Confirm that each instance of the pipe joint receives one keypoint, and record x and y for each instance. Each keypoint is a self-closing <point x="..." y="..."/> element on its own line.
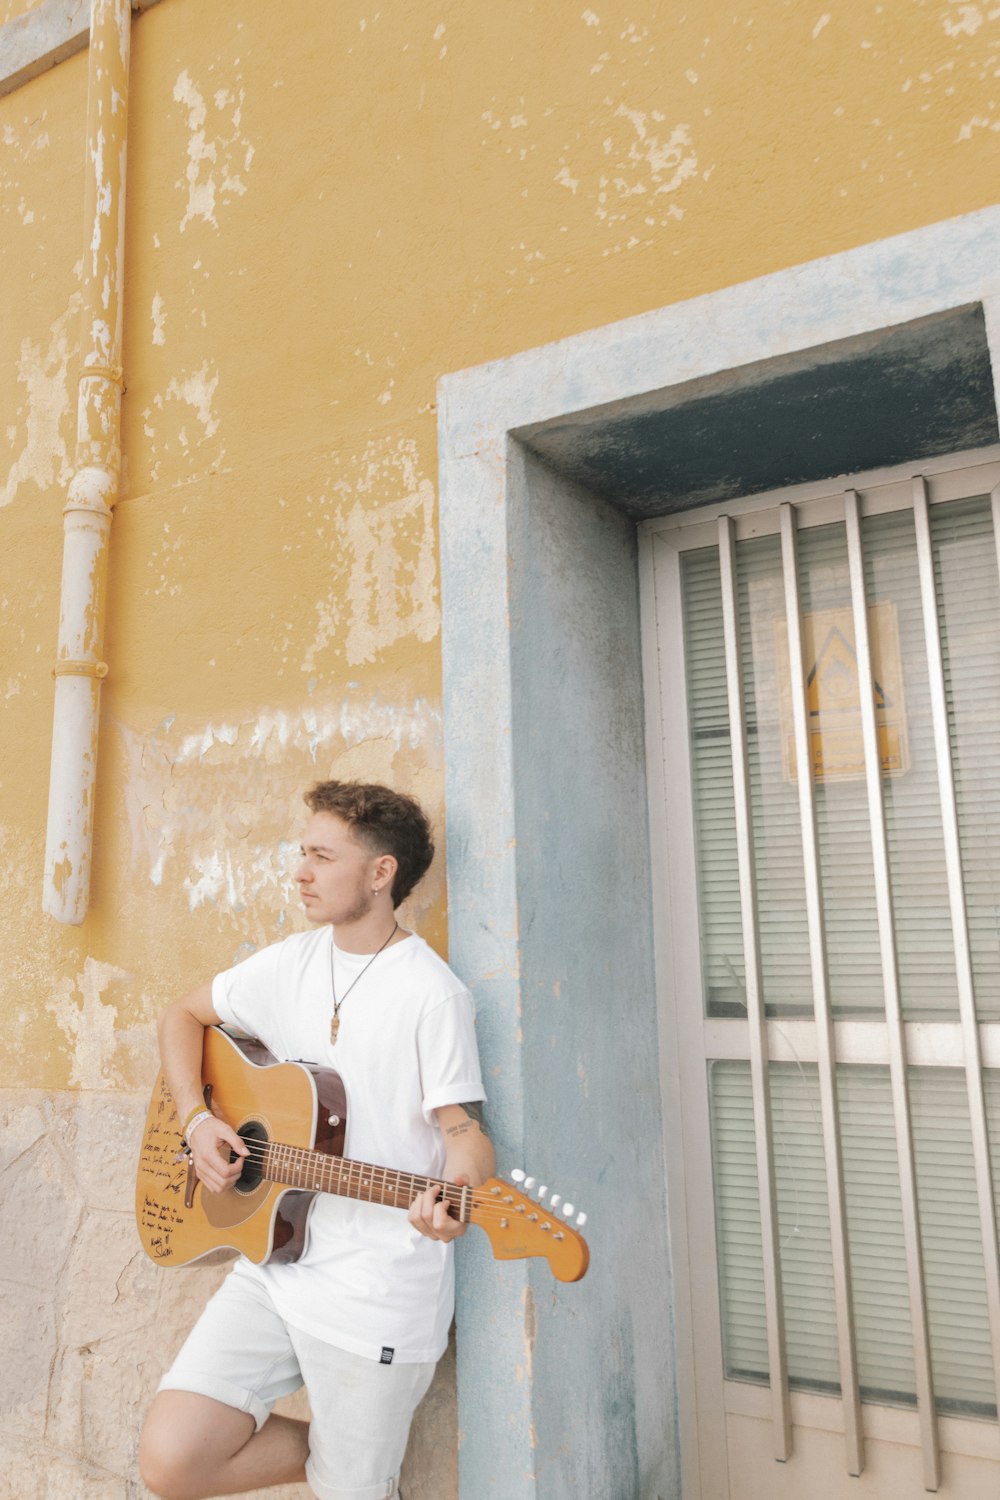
<point x="93" y="488"/>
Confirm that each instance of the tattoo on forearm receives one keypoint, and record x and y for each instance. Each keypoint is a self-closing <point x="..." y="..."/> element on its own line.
<point x="474" y="1111"/>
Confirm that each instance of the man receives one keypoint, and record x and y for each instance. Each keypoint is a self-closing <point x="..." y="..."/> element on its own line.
<point x="363" y="1316"/>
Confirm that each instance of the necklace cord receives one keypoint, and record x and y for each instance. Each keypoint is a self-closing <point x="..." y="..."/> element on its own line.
<point x="335" y="1020"/>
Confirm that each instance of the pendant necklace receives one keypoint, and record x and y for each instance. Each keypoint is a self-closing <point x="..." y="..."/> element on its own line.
<point x="335" y="1019"/>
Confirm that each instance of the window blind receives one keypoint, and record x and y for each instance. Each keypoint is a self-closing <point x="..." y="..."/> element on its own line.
<point x="956" y="1297"/>
<point x="965" y="568"/>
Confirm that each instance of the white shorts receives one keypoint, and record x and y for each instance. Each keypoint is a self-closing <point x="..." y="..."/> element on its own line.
<point x="242" y="1353"/>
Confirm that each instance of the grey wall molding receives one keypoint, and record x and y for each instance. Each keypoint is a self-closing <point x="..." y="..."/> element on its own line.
<point x="47" y="35"/>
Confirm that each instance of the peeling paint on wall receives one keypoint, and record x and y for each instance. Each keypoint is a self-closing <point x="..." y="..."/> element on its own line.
<point x="31" y="137"/>
<point x="669" y="158"/>
<point x="634" y="186"/>
<point x="965" y="19"/>
<point x="530" y="1334"/>
<point x="217" y="162"/>
<point x="88" y="1018"/>
<point x="159" y="318"/>
<point x="196" y="391"/>
<point x="43" y="419"/>
<point x="197" y="809"/>
<point x="383" y="582"/>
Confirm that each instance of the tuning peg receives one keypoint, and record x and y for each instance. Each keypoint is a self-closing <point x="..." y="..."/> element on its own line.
<point x="542" y="1191"/>
<point x="568" y="1210"/>
<point x="581" y="1219"/>
<point x="529" y="1183"/>
<point x="555" y="1200"/>
<point x="517" y="1175"/>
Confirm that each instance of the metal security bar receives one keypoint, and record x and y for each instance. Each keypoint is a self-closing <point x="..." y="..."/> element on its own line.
<point x="959" y="919"/>
<point x="826" y="1062"/>
<point x="763" y="1134"/>
<point x="893" y="1009"/>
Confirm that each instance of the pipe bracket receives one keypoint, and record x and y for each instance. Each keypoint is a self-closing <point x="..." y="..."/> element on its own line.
<point x="70" y="668"/>
<point x="114" y="373"/>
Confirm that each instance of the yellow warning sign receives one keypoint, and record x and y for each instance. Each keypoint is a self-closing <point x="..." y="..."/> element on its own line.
<point x="833" y="694"/>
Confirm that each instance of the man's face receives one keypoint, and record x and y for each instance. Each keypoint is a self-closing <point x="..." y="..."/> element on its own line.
<point x="337" y="871"/>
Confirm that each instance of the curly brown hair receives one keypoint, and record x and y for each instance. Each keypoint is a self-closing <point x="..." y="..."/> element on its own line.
<point x="387" y="822"/>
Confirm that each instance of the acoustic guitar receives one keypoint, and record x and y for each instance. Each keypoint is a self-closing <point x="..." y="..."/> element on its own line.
<point x="292" y="1117"/>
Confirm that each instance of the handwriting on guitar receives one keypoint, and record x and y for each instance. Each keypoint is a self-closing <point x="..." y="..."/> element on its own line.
<point x="161" y="1209"/>
<point x="158" y="1220"/>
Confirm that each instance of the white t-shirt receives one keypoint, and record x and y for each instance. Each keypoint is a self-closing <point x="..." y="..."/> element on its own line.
<point x="367" y="1282"/>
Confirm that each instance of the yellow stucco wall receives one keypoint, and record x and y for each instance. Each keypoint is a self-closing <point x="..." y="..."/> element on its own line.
<point x="328" y="207"/>
<point x="322" y="219"/>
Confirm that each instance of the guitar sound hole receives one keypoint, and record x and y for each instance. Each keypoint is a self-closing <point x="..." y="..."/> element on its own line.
<point x="253" y="1135"/>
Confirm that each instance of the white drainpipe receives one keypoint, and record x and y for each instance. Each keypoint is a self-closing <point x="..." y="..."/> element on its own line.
<point x="93" y="489"/>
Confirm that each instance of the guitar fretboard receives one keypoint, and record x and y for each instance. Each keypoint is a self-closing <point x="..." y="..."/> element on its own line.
<point x="313" y="1170"/>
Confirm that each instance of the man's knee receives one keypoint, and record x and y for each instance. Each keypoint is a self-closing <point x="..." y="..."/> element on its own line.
<point x="164" y="1463"/>
<point x="183" y="1442"/>
<point x="160" y="1465"/>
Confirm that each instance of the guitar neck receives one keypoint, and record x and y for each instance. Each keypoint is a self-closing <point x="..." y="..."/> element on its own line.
<point x="318" y="1173"/>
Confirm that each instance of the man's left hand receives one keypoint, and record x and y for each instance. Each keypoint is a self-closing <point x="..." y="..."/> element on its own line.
<point x="430" y="1215"/>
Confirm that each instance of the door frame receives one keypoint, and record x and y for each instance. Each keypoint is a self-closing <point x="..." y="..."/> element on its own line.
<point x="687" y="1035"/>
<point x="488" y="418"/>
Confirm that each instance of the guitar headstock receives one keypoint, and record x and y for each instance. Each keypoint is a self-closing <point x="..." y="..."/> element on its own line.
<point x="519" y="1227"/>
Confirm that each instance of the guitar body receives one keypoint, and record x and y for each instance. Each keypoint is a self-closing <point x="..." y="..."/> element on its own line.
<point x="265" y="1101"/>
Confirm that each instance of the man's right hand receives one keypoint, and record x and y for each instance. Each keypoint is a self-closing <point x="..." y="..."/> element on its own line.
<point x="211" y="1145"/>
<point x="182" y="1037"/>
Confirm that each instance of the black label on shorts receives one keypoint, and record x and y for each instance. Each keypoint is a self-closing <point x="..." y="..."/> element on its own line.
<point x="386" y="1356"/>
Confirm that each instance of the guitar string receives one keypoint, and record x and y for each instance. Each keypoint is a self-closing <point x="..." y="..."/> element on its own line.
<point x="301" y="1159"/>
<point x="355" y="1173"/>
<point x="296" y="1158"/>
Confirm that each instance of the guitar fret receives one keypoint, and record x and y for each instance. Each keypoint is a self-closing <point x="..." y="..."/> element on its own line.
<point x="300" y="1167"/>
